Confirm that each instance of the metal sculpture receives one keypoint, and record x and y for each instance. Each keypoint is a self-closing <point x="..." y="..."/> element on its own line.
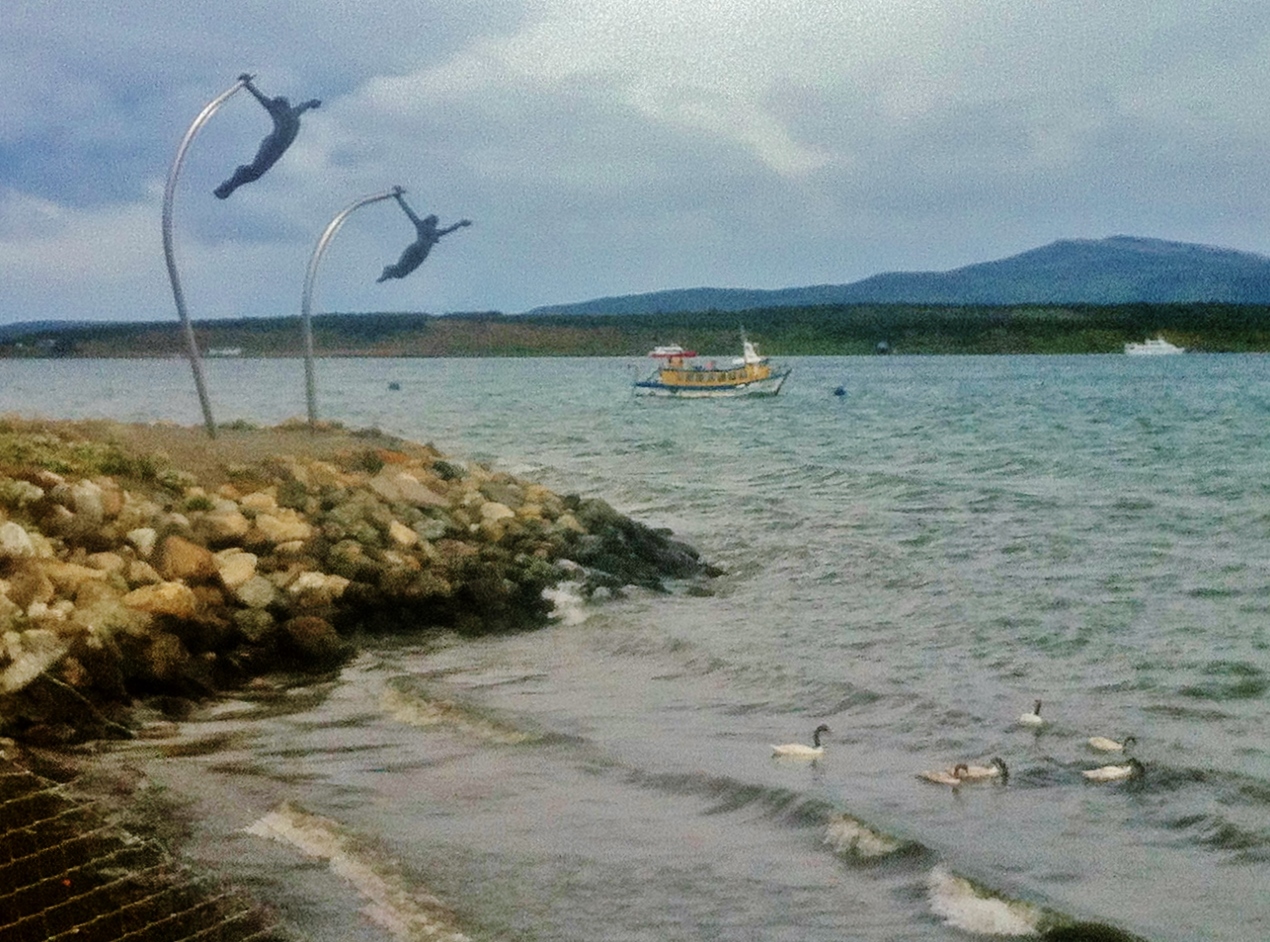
<point x="286" y="125"/>
<point x="306" y="300"/>
<point x="169" y="254"/>
<point x="427" y="235"/>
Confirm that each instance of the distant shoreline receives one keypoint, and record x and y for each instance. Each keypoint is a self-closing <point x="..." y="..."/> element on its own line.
<point x="829" y="330"/>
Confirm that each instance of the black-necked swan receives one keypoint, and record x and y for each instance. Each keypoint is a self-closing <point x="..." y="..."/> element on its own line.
<point x="997" y="769"/>
<point x="954" y="776"/>
<point x="797" y="750"/>
<point x="1115" y="773"/>
<point x="963" y="772"/>
<point x="1033" y="718"/>
<point x="1103" y="744"/>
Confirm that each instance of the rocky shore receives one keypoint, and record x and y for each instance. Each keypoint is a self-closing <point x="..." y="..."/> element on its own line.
<point x="149" y="563"/>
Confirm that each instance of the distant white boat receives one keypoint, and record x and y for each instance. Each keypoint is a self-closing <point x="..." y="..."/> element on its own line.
<point x="1152" y="346"/>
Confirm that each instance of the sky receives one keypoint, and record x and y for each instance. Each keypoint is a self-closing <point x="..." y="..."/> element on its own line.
<point x="610" y="147"/>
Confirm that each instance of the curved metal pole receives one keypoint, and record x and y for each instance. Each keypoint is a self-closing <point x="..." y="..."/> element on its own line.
<point x="310" y="381"/>
<point x="191" y="345"/>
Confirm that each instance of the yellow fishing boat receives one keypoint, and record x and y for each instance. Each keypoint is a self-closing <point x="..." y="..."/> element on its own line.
<point x="680" y="374"/>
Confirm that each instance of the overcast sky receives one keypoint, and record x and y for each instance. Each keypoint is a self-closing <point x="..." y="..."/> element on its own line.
<point x="606" y="147"/>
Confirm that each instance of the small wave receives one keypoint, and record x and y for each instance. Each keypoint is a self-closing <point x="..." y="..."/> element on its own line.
<point x="1213" y="592"/>
<point x="963" y="905"/>
<point x="408" y="701"/>
<point x="1089" y="932"/>
<point x="847" y="836"/>
<point x="979" y="910"/>
<point x="1246" y="845"/>
<point x="727" y="795"/>
<point x="1179" y="711"/>
<point x="850" y="837"/>
<point x="1229" y="680"/>
<point x="402" y="910"/>
<point x="1234" y="824"/>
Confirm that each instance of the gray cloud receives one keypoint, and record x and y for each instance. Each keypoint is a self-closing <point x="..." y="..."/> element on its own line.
<point x="611" y="146"/>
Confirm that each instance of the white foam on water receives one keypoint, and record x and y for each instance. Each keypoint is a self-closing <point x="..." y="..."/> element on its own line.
<point x="406" y="912"/>
<point x="846" y="835"/>
<point x="964" y="906"/>
<point x="569" y="607"/>
<point x="414" y="709"/>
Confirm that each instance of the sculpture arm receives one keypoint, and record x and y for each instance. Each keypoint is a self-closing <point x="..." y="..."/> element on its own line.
<point x="405" y="208"/>
<point x="247" y="84"/>
<point x="458" y="225"/>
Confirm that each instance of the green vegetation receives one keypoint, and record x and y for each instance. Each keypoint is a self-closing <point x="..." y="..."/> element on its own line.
<point x="840" y="329"/>
<point x="23" y="444"/>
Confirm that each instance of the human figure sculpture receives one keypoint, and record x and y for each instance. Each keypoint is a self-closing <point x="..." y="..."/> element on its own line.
<point x="286" y="125"/>
<point x="428" y="236"/>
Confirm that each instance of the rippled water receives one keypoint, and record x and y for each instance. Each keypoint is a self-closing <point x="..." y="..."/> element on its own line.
<point x="913" y="564"/>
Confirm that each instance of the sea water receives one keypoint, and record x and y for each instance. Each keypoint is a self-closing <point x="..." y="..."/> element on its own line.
<point x="912" y="563"/>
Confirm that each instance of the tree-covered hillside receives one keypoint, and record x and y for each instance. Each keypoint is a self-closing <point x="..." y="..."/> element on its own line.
<point x="817" y="330"/>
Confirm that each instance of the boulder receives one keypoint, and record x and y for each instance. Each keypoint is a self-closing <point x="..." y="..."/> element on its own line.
<point x="27" y="655"/>
<point x="87" y="501"/>
<point x="314" y="641"/>
<point x="15" y="542"/>
<point x="492" y="512"/>
<point x="14" y="492"/>
<point x="235" y="566"/>
<point x="111" y="496"/>
<point x="223" y="526"/>
<point x="164" y="659"/>
<point x="401" y="487"/>
<point x="28" y="583"/>
<point x="139" y="572"/>
<point x="143" y="539"/>
<point x="107" y="562"/>
<point x="256" y="592"/>
<point x="259" y="502"/>
<point x="175" y="599"/>
<point x="9" y="610"/>
<point x="254" y="624"/>
<point x="68" y="577"/>
<point x="402" y="535"/>
<point x="180" y="559"/>
<point x="282" y="526"/>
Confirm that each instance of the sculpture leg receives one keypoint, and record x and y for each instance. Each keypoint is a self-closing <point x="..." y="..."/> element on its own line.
<point x="244" y="174"/>
<point x="411" y="258"/>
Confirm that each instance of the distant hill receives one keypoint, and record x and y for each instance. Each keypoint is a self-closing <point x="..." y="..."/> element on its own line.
<point x="1115" y="270"/>
<point x="29" y="328"/>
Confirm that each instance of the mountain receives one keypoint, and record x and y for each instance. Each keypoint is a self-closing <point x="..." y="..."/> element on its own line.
<point x="1115" y="270"/>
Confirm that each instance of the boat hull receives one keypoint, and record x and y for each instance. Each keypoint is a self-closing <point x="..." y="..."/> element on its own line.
<point x="768" y="386"/>
<point x="1152" y="348"/>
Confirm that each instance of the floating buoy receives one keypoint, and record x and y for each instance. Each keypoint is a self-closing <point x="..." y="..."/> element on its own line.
<point x="394" y="386"/>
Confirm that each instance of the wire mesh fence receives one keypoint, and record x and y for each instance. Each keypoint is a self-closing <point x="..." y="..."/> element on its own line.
<point x="67" y="873"/>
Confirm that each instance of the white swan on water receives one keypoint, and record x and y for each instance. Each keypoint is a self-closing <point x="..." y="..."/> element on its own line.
<point x="1103" y="744"/>
<point x="1115" y="773"/>
<point x="797" y="750"/>
<point x="1034" y="718"/>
